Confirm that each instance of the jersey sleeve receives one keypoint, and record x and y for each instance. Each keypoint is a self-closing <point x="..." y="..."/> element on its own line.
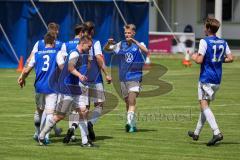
<point x="32" y="61"/>
<point x="73" y="58"/>
<point x="228" y="51"/>
<point x="35" y="47"/>
<point x="202" y="47"/>
<point x="97" y="48"/>
<point x="143" y="44"/>
<point x="61" y="57"/>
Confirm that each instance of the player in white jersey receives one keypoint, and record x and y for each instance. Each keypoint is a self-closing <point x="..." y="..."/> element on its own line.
<point x="213" y="51"/>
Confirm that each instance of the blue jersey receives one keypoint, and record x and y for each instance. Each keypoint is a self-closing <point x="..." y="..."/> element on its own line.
<point x="69" y="83"/>
<point x="45" y="65"/>
<point x="131" y="62"/>
<point x="94" y="72"/>
<point x="211" y="68"/>
<point x="41" y="45"/>
<point x="71" y="45"/>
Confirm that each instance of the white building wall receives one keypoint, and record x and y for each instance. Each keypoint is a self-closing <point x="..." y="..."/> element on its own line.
<point x="187" y="12"/>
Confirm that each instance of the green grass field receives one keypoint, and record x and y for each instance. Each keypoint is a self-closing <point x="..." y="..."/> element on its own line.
<point x="163" y="121"/>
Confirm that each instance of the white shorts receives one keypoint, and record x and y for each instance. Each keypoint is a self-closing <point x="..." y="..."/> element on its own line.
<point x="46" y="101"/>
<point x="96" y="92"/>
<point x="130" y="86"/>
<point x="67" y="103"/>
<point x="207" y="91"/>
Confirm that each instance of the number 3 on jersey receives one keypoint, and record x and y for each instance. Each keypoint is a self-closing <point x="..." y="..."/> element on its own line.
<point x="216" y="53"/>
<point x="46" y="62"/>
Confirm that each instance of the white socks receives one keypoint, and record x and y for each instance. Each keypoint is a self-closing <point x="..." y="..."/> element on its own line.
<point x="84" y="130"/>
<point x="47" y="128"/>
<point x="37" y="122"/>
<point x="96" y="114"/>
<point x="131" y="119"/>
<point x="200" y="124"/>
<point x="211" y="120"/>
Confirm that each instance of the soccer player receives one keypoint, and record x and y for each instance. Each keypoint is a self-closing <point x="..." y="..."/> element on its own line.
<point x="44" y="62"/>
<point x="39" y="115"/>
<point x="74" y="73"/>
<point x="95" y="80"/>
<point x="131" y="61"/>
<point x="213" y="51"/>
<point x="69" y="46"/>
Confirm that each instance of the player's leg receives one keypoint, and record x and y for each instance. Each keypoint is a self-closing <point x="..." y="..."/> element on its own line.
<point x="39" y="100"/>
<point x="82" y="102"/>
<point x="201" y="118"/>
<point x="51" y="103"/>
<point x="133" y="91"/>
<point x="73" y="123"/>
<point x="98" y="96"/>
<point x="124" y="92"/>
<point x="61" y="110"/>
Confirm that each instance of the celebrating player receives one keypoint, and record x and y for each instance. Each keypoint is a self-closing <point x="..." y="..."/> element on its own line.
<point x="213" y="51"/>
<point x="129" y="53"/>
<point x="74" y="74"/>
<point x="44" y="62"/>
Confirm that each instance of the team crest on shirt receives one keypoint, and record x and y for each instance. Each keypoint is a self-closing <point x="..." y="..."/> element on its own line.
<point x="128" y="57"/>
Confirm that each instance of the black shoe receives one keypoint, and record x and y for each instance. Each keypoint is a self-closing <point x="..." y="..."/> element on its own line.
<point x="91" y="133"/>
<point x="215" y="139"/>
<point x="68" y="136"/>
<point x="194" y="136"/>
<point x="127" y="127"/>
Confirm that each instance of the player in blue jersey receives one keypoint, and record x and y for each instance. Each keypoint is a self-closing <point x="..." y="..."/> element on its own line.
<point x="95" y="82"/>
<point x="39" y="115"/>
<point x="74" y="90"/>
<point x="131" y="61"/>
<point x="44" y="62"/>
<point x="213" y="51"/>
<point x="69" y="46"/>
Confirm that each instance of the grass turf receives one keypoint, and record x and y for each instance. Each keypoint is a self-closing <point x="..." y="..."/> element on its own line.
<point x="163" y="121"/>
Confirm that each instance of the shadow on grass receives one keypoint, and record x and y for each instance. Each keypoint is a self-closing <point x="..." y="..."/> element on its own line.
<point x="101" y="138"/>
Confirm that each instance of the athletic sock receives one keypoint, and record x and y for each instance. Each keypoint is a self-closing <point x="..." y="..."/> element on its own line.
<point x="84" y="131"/>
<point x="96" y="114"/>
<point x="131" y="119"/>
<point x="47" y="128"/>
<point x="37" y="122"/>
<point x="48" y="117"/>
<point x="43" y="120"/>
<point x="200" y="123"/>
<point x="211" y="120"/>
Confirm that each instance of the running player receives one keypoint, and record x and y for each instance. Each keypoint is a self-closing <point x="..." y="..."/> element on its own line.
<point x="131" y="61"/>
<point x="213" y="51"/>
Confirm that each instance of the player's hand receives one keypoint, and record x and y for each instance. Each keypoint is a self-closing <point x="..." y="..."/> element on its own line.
<point x="82" y="77"/>
<point x="108" y="79"/>
<point x="21" y="82"/>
